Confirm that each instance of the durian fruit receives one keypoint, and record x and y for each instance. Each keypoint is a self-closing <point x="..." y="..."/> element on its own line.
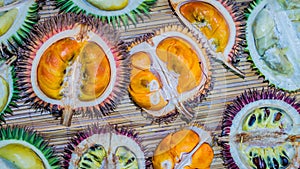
<point x="170" y="73"/>
<point x="23" y="148"/>
<point x="9" y="92"/>
<point x="273" y="39"/>
<point x="17" y="19"/>
<point x="261" y="130"/>
<point x="220" y="22"/>
<point x="188" y="148"/>
<point x="104" y="147"/>
<point x="116" y="12"/>
<point x="73" y="64"/>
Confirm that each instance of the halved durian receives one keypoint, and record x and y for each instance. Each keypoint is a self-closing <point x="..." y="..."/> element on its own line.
<point x="8" y="88"/>
<point x="105" y="147"/>
<point x="187" y="148"/>
<point x="273" y="38"/>
<point x="261" y="130"/>
<point x="17" y="19"/>
<point x="170" y="71"/>
<point x="23" y="148"/>
<point x="220" y="22"/>
<point x="115" y="12"/>
<point x="73" y="64"/>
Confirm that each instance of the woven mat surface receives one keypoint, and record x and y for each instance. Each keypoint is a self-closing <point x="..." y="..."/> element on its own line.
<point x="226" y="86"/>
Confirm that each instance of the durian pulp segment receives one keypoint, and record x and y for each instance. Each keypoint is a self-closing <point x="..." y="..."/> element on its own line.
<point x="118" y="148"/>
<point x="22" y="156"/>
<point x="14" y="18"/>
<point x="7" y="20"/>
<point x="179" y="73"/>
<point x="4" y="88"/>
<point x="77" y="80"/>
<point x="93" y="158"/>
<point x="273" y="40"/>
<point x="210" y="21"/>
<point x="6" y="85"/>
<point x="90" y="9"/>
<point x="5" y="164"/>
<point x="267" y="133"/>
<point x="186" y="148"/>
<point x="111" y="5"/>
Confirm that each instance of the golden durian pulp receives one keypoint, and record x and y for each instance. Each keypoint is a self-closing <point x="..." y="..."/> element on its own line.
<point x="60" y="56"/>
<point x="21" y="156"/>
<point x="7" y="20"/>
<point x="209" y="21"/>
<point x="109" y="5"/>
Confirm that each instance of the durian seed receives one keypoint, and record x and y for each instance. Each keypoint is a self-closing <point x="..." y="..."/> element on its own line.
<point x="277" y="116"/>
<point x="252" y="120"/>
<point x="259" y="163"/>
<point x="275" y="162"/>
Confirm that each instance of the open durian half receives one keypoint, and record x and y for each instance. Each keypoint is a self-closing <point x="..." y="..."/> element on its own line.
<point x="188" y="148"/>
<point x="261" y="130"/>
<point x="105" y="147"/>
<point x="219" y="21"/>
<point x="73" y="64"/>
<point x="170" y="72"/>
<point x="273" y="38"/>
<point x="115" y="12"/>
<point x="8" y="87"/>
<point x="23" y="148"/>
<point x="17" y="18"/>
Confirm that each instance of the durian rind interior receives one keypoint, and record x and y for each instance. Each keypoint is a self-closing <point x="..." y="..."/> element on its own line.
<point x="109" y="150"/>
<point x="186" y="148"/>
<point x="72" y="72"/>
<point x="265" y="125"/>
<point x="170" y="69"/>
<point x="273" y="36"/>
<point x="6" y="85"/>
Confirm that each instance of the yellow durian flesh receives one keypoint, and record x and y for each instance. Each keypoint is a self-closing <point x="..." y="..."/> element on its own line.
<point x="7" y="20"/>
<point x="21" y="156"/>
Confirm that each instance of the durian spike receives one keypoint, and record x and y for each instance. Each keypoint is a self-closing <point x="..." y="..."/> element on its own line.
<point x="11" y="60"/>
<point x="66" y="117"/>
<point x="222" y="58"/>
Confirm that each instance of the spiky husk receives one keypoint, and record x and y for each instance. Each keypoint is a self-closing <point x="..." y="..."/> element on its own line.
<point x="124" y="19"/>
<point x="32" y="137"/>
<point x="54" y="25"/>
<point x="193" y="101"/>
<point x="97" y="129"/>
<point x="32" y="17"/>
<point x="239" y="103"/>
<point x="5" y="54"/>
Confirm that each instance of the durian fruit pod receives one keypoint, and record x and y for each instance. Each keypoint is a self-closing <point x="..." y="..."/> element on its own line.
<point x="273" y="38"/>
<point x="260" y="129"/>
<point x="119" y="13"/>
<point x="17" y="19"/>
<point x="188" y="147"/>
<point x="73" y="64"/>
<point x="105" y="146"/>
<point x="170" y="73"/>
<point x="8" y="87"/>
<point x="220" y="22"/>
<point x="22" y="147"/>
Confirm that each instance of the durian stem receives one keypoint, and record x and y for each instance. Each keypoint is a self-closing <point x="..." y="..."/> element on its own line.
<point x="66" y="118"/>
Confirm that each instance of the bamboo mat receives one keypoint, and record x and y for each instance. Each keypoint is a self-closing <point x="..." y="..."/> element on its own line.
<point x="209" y="112"/>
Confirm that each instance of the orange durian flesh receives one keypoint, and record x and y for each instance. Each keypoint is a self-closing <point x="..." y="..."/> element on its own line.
<point x="145" y="90"/>
<point x="170" y="149"/>
<point x="53" y="64"/>
<point x="181" y="58"/>
<point x="96" y="71"/>
<point x="210" y="22"/>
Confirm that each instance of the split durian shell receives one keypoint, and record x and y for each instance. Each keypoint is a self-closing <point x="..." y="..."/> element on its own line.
<point x="170" y="73"/>
<point x="220" y="22"/>
<point x="73" y="64"/>
<point x="17" y="19"/>
<point x="116" y="12"/>
<point x="8" y="87"/>
<point x="105" y="147"/>
<point x="22" y="147"/>
<point x="189" y="147"/>
<point x="261" y="130"/>
<point x="273" y="37"/>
